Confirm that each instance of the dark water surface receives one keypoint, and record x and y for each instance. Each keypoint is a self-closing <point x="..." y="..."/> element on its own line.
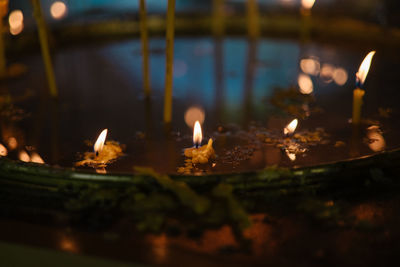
<point x="232" y="80"/>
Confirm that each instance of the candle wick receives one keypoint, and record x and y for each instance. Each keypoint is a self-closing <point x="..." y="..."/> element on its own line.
<point x="97" y="153"/>
<point x="196" y="145"/>
<point x="359" y="84"/>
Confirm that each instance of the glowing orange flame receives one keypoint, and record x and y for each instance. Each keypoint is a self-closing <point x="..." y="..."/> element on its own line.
<point x="197" y="134"/>
<point x="36" y="158"/>
<point x="99" y="145"/>
<point x="362" y="73"/>
<point x="3" y="151"/>
<point x="291" y="127"/>
<point x="23" y="156"/>
<point x="307" y="4"/>
<point x="291" y="156"/>
<point x="58" y="10"/>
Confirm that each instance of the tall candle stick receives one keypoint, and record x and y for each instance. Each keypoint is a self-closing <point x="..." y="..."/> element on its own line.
<point x="358" y="93"/>
<point x="253" y="19"/>
<point x="305" y="11"/>
<point x="3" y="12"/>
<point x="145" y="48"/>
<point x="169" y="62"/>
<point x="44" y="44"/>
<point x="218" y="17"/>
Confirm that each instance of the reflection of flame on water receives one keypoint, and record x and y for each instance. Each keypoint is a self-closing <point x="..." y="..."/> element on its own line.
<point x="58" y="10"/>
<point x="101" y="171"/>
<point x="12" y="143"/>
<point x="376" y="142"/>
<point x="16" y="22"/>
<point x="305" y="84"/>
<point x="197" y="134"/>
<point x="194" y="114"/>
<point x="307" y="4"/>
<point x="291" y="156"/>
<point x="291" y="127"/>
<point x="99" y="145"/>
<point x="68" y="245"/>
<point x="23" y="156"/>
<point x="159" y="247"/>
<point x="36" y="158"/>
<point x="3" y="151"/>
<point x="362" y="73"/>
<point x="310" y="66"/>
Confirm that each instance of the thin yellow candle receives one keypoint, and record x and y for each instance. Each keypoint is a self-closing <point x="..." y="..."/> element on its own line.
<point x="3" y="12"/>
<point x="145" y="48"/>
<point x="169" y="61"/>
<point x="44" y="44"/>
<point x="218" y="17"/>
<point x="358" y="93"/>
<point x="253" y="19"/>
<point x="305" y="11"/>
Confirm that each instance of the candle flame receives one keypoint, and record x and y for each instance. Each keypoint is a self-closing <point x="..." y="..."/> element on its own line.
<point x="307" y="4"/>
<point x="99" y="145"/>
<point x="291" y="127"/>
<point x="197" y="134"/>
<point x="3" y="151"/>
<point x="364" y="69"/>
<point x="36" y="158"/>
<point x="23" y="156"/>
<point x="291" y="156"/>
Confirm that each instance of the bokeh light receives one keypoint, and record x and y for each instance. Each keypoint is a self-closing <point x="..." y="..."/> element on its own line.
<point x="194" y="114"/>
<point x="16" y="22"/>
<point x="310" y="66"/>
<point x="305" y="84"/>
<point x="326" y="74"/>
<point x="58" y="10"/>
<point x="340" y="76"/>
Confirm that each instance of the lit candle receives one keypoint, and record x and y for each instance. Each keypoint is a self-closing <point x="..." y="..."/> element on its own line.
<point x="290" y="128"/>
<point x="198" y="153"/>
<point x="3" y="12"/>
<point x="145" y="47"/>
<point x="44" y="44"/>
<point x="104" y="152"/>
<point x="253" y="19"/>
<point x="169" y="62"/>
<point x="3" y="150"/>
<point x="358" y="93"/>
